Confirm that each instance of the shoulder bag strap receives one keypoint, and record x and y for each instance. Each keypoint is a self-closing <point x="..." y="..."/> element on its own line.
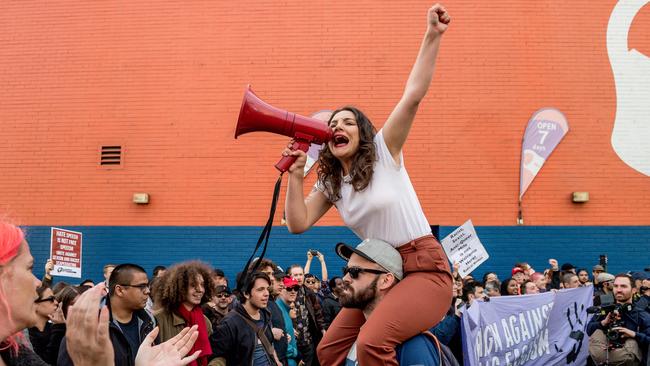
<point x="435" y="340"/>
<point x="260" y="334"/>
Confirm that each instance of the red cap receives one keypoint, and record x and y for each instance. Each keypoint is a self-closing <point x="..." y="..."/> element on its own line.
<point x="517" y="270"/>
<point x="289" y="281"/>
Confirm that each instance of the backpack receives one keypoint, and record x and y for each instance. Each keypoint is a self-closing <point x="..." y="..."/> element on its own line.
<point x="446" y="356"/>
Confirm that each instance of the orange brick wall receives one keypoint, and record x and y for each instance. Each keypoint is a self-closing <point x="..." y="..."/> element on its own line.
<point x="166" y="79"/>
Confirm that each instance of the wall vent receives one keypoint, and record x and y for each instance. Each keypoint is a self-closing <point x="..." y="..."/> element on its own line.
<point x="111" y="155"/>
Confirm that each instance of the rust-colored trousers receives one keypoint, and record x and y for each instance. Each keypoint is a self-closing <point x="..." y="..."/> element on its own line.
<point x="415" y="304"/>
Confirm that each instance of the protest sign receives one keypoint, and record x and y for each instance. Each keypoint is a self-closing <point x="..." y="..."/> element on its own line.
<point x="463" y="246"/>
<point x="528" y="330"/>
<point x="65" y="251"/>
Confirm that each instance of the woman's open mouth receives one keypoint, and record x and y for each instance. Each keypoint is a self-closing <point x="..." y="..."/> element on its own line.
<point x="340" y="141"/>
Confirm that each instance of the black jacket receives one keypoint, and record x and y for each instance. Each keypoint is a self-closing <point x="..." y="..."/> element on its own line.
<point x="277" y="321"/>
<point x="57" y="332"/>
<point x="235" y="340"/>
<point x="123" y="354"/>
<point x="331" y="308"/>
<point x="316" y="320"/>
<point x="40" y="340"/>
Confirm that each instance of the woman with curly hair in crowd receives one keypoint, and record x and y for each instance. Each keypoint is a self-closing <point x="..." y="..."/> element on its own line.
<point x="510" y="287"/>
<point x="178" y="296"/>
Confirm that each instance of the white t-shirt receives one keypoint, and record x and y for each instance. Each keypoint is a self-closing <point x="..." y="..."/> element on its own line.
<point x="351" y="359"/>
<point x="388" y="209"/>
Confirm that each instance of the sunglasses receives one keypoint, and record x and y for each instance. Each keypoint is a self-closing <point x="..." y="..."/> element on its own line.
<point x="310" y="282"/>
<point x="49" y="298"/>
<point x="293" y="288"/>
<point x="141" y="287"/>
<point x="221" y="296"/>
<point x="356" y="271"/>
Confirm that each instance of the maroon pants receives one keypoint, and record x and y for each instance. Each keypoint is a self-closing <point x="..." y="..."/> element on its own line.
<point x="415" y="304"/>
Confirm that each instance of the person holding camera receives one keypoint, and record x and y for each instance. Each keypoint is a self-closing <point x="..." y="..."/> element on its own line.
<point x="312" y="281"/>
<point x="620" y="333"/>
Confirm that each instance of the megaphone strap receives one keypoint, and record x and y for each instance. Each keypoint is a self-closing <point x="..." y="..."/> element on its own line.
<point x="264" y="237"/>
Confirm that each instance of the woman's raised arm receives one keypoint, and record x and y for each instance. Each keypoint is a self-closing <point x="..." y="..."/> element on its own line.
<point x="398" y="125"/>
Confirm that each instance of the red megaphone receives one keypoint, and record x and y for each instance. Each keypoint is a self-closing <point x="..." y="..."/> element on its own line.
<point x="256" y="115"/>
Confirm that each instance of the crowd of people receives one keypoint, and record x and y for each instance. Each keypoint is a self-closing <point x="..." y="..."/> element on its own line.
<point x="278" y="318"/>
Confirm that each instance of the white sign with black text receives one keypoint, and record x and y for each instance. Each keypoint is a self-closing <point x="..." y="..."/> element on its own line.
<point x="464" y="247"/>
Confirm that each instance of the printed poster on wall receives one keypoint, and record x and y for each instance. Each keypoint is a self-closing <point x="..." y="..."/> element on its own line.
<point x="65" y="251"/>
<point x="463" y="246"/>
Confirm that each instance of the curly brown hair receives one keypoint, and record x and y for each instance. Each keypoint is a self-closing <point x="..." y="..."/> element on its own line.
<point x="330" y="171"/>
<point x="170" y="290"/>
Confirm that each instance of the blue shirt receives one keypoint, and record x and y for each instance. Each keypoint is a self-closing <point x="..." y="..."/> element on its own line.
<point x="259" y="355"/>
<point x="131" y="331"/>
<point x="419" y="350"/>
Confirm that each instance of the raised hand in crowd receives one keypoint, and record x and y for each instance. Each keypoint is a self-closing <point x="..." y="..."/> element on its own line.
<point x="88" y="341"/>
<point x="47" y="277"/>
<point x="49" y="266"/>
<point x="321" y="258"/>
<point x="170" y="353"/>
<point x="323" y="266"/>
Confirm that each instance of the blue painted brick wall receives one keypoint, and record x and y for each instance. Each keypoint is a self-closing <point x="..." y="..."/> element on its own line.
<point x="628" y="247"/>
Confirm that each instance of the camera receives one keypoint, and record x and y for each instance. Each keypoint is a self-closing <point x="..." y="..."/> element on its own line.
<point x="613" y="337"/>
<point x="313" y="252"/>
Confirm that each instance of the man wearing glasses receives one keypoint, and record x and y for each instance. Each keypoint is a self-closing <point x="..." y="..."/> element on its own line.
<point x="374" y="267"/>
<point x="217" y="307"/>
<point x="129" y="322"/>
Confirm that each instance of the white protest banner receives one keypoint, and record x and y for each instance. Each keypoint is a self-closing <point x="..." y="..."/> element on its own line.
<point x="463" y="246"/>
<point x="528" y="330"/>
<point x="65" y="251"/>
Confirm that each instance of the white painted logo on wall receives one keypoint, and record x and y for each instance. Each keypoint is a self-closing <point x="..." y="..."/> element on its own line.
<point x="631" y="68"/>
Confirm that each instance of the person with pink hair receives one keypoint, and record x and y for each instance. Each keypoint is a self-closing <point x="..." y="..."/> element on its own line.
<point x="17" y="294"/>
<point x="540" y="281"/>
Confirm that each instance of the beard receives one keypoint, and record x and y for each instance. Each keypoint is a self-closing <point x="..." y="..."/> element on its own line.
<point x="348" y="298"/>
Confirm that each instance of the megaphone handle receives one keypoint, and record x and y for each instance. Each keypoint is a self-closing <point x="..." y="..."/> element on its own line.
<point x="285" y="163"/>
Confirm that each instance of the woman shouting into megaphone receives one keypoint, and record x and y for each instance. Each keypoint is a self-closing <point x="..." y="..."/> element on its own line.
<point x="362" y="173"/>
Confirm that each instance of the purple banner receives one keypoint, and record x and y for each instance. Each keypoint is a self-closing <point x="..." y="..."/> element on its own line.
<point x="541" y="329"/>
<point x="544" y="132"/>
